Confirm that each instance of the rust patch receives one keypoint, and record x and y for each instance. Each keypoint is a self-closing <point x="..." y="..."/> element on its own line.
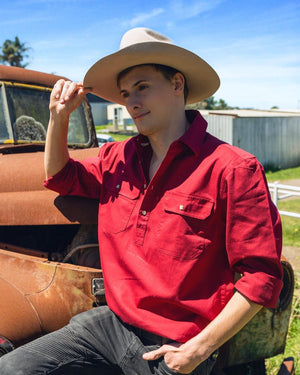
<point x="39" y="296"/>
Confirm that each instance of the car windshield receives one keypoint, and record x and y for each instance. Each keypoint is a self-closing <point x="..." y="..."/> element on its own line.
<point x="24" y="116"/>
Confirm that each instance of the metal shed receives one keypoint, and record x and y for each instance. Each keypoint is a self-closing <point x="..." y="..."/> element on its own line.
<point x="272" y="136"/>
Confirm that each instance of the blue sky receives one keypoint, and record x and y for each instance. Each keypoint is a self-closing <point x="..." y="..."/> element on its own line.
<point x="253" y="45"/>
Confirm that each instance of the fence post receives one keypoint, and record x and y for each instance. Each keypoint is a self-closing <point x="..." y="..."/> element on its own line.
<point x="275" y="194"/>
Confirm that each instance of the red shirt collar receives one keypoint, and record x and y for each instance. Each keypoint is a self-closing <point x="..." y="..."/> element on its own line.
<point x="193" y="137"/>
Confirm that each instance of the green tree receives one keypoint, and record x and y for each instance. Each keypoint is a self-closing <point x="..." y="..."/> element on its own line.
<point x="13" y="53"/>
<point x="221" y="104"/>
<point x="210" y="103"/>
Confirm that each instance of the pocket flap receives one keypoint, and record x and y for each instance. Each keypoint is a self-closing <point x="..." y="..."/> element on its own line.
<point x="188" y="205"/>
<point x="123" y="188"/>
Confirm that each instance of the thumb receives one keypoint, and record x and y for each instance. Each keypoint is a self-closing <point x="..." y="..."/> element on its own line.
<point x="154" y="354"/>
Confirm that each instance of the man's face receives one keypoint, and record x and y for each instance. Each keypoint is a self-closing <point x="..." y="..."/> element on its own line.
<point x="149" y="98"/>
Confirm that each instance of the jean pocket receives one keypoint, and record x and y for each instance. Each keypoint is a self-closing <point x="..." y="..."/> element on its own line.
<point x="164" y="369"/>
<point x="210" y="362"/>
<point x="204" y="368"/>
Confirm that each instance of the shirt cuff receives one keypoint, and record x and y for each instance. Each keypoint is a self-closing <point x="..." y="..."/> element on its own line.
<point x="260" y="288"/>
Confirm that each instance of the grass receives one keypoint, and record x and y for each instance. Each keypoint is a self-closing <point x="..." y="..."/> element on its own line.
<point x="291" y="237"/>
<point x="100" y="128"/>
<point x="117" y="136"/>
<point x="290" y="225"/>
<point x="284" y="174"/>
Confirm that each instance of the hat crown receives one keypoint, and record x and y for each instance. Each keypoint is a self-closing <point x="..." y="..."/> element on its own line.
<point x="142" y="35"/>
<point x="140" y="46"/>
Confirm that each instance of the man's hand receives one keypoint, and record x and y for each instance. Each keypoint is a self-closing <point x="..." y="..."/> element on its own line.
<point x="66" y="97"/>
<point x="176" y="357"/>
<point x="184" y="358"/>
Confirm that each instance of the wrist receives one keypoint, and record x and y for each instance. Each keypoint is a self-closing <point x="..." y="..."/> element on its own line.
<point x="59" y="117"/>
<point x="198" y="350"/>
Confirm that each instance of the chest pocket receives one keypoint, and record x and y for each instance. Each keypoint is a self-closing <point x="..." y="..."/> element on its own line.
<point x="183" y="231"/>
<point x="116" y="206"/>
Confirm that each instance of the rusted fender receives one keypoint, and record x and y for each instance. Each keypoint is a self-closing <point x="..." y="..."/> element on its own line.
<point x="24" y="200"/>
<point x="25" y="172"/>
<point x="39" y="296"/>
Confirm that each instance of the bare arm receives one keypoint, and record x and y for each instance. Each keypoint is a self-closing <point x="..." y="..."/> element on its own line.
<point x="184" y="358"/>
<point x="65" y="98"/>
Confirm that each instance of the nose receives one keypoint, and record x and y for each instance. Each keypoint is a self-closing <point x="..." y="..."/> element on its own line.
<point x="133" y="102"/>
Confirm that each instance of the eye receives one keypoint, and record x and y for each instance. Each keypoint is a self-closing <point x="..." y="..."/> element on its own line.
<point x="124" y="94"/>
<point x="142" y="87"/>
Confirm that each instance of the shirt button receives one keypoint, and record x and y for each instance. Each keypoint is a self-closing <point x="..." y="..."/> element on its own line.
<point x="181" y="207"/>
<point x="145" y="186"/>
<point x="144" y="213"/>
<point x="118" y="186"/>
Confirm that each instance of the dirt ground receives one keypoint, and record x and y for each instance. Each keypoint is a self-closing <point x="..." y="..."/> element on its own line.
<point x="292" y="254"/>
<point x="294" y="182"/>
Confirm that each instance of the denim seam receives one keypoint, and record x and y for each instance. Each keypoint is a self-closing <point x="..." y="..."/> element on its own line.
<point x="60" y="366"/>
<point x="136" y="345"/>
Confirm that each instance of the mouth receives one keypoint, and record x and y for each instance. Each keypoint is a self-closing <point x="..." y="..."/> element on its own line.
<point x="140" y="115"/>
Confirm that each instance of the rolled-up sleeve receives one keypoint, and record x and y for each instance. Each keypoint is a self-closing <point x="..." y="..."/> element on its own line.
<point x="81" y="178"/>
<point x="253" y="234"/>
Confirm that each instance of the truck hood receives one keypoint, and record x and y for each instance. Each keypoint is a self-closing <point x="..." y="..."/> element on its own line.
<point x="25" y="201"/>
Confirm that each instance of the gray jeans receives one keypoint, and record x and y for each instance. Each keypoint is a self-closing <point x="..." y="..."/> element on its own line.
<point x="95" y="342"/>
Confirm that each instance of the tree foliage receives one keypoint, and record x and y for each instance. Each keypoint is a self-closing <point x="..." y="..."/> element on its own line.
<point x="14" y="52"/>
<point x="211" y="103"/>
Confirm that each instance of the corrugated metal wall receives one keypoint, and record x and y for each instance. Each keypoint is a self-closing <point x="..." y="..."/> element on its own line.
<point x="220" y="127"/>
<point x="275" y="141"/>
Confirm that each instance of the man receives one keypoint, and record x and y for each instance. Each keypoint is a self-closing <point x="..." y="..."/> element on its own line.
<point x="180" y="212"/>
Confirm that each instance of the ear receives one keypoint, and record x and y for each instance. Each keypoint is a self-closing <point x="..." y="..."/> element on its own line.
<point x="178" y="82"/>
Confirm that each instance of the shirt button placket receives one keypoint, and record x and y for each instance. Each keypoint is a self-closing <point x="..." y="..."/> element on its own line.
<point x="141" y="227"/>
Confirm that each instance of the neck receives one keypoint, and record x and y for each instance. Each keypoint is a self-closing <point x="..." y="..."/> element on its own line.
<point x="160" y="143"/>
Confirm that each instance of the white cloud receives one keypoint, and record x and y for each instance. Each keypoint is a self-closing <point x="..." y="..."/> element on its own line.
<point x="193" y="9"/>
<point x="25" y="20"/>
<point x="141" y="18"/>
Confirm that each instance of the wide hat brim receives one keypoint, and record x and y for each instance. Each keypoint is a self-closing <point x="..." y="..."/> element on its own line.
<point x="202" y="80"/>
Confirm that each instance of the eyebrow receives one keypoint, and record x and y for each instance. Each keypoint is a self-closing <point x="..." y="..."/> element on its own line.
<point x="134" y="85"/>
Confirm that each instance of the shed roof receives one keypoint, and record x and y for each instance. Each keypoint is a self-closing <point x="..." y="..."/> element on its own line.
<point x="252" y="112"/>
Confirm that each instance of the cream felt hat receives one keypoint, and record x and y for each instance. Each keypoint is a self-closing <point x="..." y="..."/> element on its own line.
<point x="144" y="46"/>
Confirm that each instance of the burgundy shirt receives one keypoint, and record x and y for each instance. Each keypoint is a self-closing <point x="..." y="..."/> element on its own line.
<point x="170" y="247"/>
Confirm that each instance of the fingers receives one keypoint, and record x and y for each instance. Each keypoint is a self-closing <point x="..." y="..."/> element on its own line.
<point x="63" y="90"/>
<point x="161" y="351"/>
<point x="154" y="354"/>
